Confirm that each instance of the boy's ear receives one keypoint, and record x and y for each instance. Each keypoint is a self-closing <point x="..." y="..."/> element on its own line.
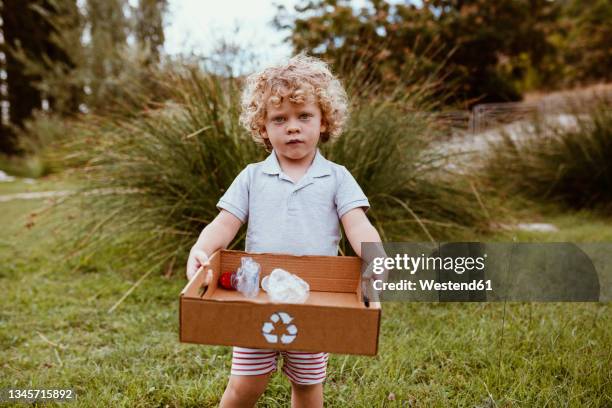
<point x="323" y="126"/>
<point x="263" y="133"/>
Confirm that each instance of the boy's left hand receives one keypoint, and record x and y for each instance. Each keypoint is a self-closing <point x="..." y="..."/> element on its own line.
<point x="197" y="261"/>
<point x="367" y="279"/>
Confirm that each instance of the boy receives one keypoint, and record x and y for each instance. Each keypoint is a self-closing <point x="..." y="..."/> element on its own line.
<point x="293" y="202"/>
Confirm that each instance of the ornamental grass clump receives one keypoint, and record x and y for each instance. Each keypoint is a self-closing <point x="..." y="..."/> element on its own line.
<point x="153" y="180"/>
<point x="556" y="161"/>
<point x="412" y="194"/>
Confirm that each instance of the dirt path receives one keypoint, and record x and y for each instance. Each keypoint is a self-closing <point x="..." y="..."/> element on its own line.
<point x="63" y="193"/>
<point x="34" y="195"/>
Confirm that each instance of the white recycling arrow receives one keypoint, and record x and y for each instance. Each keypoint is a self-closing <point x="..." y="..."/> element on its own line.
<point x="268" y="327"/>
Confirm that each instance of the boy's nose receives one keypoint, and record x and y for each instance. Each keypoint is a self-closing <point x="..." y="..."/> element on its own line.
<point x="293" y="128"/>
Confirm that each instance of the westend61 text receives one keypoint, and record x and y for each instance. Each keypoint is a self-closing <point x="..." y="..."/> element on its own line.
<point x="431" y="284"/>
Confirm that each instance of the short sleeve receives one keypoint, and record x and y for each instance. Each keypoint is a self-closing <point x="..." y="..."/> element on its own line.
<point x="236" y="198"/>
<point x="349" y="195"/>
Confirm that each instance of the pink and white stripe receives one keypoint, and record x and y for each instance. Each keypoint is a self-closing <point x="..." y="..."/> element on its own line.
<point x="301" y="367"/>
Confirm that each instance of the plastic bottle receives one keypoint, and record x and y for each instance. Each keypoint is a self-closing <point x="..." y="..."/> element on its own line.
<point x="245" y="280"/>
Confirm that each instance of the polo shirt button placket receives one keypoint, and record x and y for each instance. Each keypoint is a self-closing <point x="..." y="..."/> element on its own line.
<point x="289" y="211"/>
<point x="290" y="205"/>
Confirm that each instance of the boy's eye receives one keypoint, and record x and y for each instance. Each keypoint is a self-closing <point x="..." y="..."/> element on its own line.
<point x="305" y="115"/>
<point x="278" y="119"/>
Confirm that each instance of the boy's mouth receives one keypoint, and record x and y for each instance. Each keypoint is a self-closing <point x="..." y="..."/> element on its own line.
<point x="294" y="141"/>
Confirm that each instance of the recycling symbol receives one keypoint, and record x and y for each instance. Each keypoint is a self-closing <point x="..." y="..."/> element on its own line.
<point x="290" y="330"/>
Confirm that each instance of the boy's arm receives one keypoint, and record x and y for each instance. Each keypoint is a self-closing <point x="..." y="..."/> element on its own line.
<point x="216" y="235"/>
<point x="358" y="229"/>
<point x="219" y="233"/>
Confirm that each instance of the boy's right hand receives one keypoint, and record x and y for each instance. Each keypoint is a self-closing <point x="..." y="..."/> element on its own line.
<point x="197" y="260"/>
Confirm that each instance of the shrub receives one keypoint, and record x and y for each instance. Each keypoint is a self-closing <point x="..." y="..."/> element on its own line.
<point x="569" y="165"/>
<point x="159" y="175"/>
<point x="47" y="139"/>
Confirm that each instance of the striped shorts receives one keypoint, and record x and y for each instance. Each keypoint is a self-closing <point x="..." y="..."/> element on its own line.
<point x="300" y="366"/>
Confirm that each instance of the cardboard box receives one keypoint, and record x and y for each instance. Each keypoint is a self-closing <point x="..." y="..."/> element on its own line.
<point x="333" y="319"/>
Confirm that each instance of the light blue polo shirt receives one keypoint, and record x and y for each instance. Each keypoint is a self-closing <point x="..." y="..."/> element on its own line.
<point x="290" y="218"/>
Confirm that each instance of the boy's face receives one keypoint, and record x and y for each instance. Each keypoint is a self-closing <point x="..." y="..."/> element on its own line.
<point x="293" y="129"/>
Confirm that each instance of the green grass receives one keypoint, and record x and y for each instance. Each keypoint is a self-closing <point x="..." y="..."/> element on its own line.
<point x="55" y="331"/>
<point x="577" y="227"/>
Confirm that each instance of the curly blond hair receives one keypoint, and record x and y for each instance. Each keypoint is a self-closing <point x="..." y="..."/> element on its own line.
<point x="302" y="79"/>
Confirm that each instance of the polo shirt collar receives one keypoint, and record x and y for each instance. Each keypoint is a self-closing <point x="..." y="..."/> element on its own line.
<point x="320" y="165"/>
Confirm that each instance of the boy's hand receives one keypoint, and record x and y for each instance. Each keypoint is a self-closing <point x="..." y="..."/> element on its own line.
<point x="198" y="260"/>
<point x="367" y="278"/>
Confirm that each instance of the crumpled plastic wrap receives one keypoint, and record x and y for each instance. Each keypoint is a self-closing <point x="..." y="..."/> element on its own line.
<point x="285" y="287"/>
<point x="247" y="277"/>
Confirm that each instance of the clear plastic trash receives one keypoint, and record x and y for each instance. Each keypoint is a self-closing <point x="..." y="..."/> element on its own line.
<point x="247" y="277"/>
<point x="285" y="287"/>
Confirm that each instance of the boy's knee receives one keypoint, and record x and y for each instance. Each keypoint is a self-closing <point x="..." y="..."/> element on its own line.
<point x="306" y="395"/>
<point x="247" y="388"/>
<point x="306" y="388"/>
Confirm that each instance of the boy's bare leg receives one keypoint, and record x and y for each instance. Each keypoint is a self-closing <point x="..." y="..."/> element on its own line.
<point x="306" y="396"/>
<point x="244" y="390"/>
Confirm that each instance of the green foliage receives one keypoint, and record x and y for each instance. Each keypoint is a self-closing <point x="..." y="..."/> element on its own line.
<point x="466" y="39"/>
<point x="116" y="73"/>
<point x="32" y="61"/>
<point x="489" y="51"/>
<point x="378" y="38"/>
<point x="48" y="140"/>
<point x="568" y="165"/>
<point x="108" y="26"/>
<point x="48" y="59"/>
<point x="90" y="66"/>
<point x="21" y="166"/>
<point x="585" y="43"/>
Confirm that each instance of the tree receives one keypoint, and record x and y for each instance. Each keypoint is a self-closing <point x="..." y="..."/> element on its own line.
<point x="60" y="83"/>
<point x="108" y="24"/>
<point x="44" y="56"/>
<point x="468" y="38"/>
<point x="26" y="36"/>
<point x="336" y="31"/>
<point x="102" y="70"/>
<point x="585" y="42"/>
<point x="150" y="27"/>
<point x="108" y="28"/>
<point x="21" y="30"/>
<point x="118" y="77"/>
<point x="7" y="136"/>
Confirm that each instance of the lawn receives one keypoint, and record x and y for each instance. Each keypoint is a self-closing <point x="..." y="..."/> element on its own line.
<point x="56" y="332"/>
